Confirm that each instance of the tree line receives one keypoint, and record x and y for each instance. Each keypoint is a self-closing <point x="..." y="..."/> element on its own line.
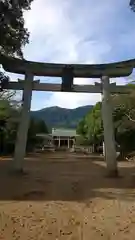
<point x="90" y="127"/>
<point x="10" y="114"/>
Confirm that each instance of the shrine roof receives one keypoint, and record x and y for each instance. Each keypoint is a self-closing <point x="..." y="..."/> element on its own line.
<point x="64" y="132"/>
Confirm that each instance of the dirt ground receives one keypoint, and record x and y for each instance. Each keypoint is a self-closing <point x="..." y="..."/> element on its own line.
<point x="66" y="197"/>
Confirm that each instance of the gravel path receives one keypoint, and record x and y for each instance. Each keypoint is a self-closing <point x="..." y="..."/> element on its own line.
<point x="67" y="200"/>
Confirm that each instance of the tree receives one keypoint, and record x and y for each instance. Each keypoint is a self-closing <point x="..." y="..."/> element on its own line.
<point x="132" y="4"/>
<point x="35" y="127"/>
<point x="13" y="37"/>
<point x="82" y="128"/>
<point x="41" y="127"/>
<point x="94" y="124"/>
<point x="9" y="118"/>
<point x="123" y="118"/>
<point x="13" y="34"/>
<point x="91" y="127"/>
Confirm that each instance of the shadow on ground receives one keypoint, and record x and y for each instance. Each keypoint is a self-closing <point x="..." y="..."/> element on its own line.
<point x="65" y="178"/>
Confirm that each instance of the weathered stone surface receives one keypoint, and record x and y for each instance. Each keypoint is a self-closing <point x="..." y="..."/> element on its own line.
<point x="118" y="69"/>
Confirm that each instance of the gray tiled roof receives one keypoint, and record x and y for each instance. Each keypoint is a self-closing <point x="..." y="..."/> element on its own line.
<point x="44" y="135"/>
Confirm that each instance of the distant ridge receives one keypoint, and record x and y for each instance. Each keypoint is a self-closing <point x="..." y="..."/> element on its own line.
<point x="61" y="117"/>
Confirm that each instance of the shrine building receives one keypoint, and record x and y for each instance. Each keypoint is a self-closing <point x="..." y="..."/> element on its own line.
<point x="61" y="137"/>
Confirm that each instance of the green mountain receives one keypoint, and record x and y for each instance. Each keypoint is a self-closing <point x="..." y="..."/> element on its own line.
<point x="61" y="117"/>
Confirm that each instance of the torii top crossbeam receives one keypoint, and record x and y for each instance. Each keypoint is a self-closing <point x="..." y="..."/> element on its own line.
<point x="118" y="69"/>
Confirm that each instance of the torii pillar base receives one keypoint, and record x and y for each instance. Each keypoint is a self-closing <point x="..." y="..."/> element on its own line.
<point x="109" y="139"/>
<point x="21" y="140"/>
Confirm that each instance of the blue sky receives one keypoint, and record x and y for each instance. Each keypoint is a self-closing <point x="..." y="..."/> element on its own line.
<point x="76" y="31"/>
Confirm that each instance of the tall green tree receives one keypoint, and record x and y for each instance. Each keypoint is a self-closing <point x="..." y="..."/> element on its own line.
<point x="91" y="126"/>
<point x="94" y="124"/>
<point x="82" y="127"/>
<point x="35" y="127"/>
<point x="13" y="34"/>
<point x="10" y="115"/>
<point x="132" y="4"/>
<point x="9" y="118"/>
<point x="13" y="37"/>
<point x="123" y="118"/>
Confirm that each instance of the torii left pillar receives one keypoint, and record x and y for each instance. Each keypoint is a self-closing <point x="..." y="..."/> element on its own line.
<point x="21" y="140"/>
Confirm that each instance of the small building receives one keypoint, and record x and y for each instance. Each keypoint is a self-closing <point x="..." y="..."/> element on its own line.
<point x="63" y="137"/>
<point x="60" y="138"/>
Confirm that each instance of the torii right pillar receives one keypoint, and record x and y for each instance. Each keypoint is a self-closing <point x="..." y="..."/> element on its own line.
<point x="109" y="139"/>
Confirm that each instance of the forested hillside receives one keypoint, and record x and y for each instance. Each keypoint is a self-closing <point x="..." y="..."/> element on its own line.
<point x="61" y="117"/>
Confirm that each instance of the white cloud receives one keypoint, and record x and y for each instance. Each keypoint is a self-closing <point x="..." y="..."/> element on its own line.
<point x="52" y="37"/>
<point x="72" y="100"/>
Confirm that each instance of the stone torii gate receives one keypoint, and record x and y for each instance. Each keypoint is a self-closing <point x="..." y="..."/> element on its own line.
<point x="67" y="72"/>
